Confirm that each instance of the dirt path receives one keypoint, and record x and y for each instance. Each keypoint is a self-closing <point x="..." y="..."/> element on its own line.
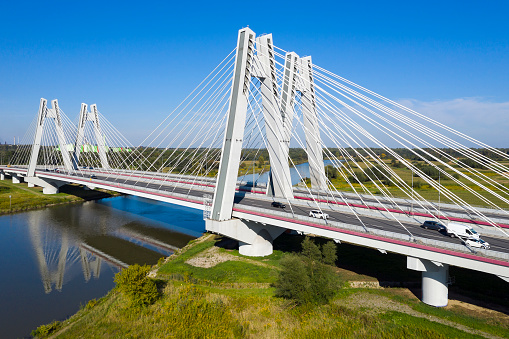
<point x="214" y="256"/>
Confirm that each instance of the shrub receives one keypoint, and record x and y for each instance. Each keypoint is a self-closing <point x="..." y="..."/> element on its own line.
<point x="91" y="304"/>
<point x="307" y="278"/>
<point x="133" y="283"/>
<point x="45" y="330"/>
<point x="293" y="281"/>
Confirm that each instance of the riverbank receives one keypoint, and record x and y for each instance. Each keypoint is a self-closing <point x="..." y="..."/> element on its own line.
<point x="20" y="198"/>
<point x="209" y="290"/>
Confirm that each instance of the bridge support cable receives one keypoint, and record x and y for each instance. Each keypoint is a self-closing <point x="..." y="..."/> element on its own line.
<point x="43" y="114"/>
<point x="406" y="188"/>
<point x="232" y="145"/>
<point x="160" y="129"/>
<point x="172" y="126"/>
<point x="439" y="137"/>
<point x="430" y="179"/>
<point x="21" y="156"/>
<point x="419" y="115"/>
<point x="204" y="131"/>
<point x="194" y="140"/>
<point x="451" y="196"/>
<point x="437" y="150"/>
<point x="351" y="135"/>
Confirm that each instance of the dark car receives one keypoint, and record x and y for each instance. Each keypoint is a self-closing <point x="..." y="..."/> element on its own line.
<point x="278" y="204"/>
<point x="433" y="225"/>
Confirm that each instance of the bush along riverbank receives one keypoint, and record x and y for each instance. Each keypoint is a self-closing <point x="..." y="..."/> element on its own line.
<point x="19" y="197"/>
<point x="303" y="290"/>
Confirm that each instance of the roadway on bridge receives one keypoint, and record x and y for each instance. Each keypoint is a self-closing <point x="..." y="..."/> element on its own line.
<point x="242" y="198"/>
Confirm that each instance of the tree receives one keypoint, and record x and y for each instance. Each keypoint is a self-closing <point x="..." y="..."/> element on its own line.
<point x="261" y="161"/>
<point x="310" y="250"/>
<point x="329" y="253"/>
<point x="307" y="277"/>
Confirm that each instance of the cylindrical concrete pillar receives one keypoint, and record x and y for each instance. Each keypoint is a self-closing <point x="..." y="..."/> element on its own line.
<point x="434" y="285"/>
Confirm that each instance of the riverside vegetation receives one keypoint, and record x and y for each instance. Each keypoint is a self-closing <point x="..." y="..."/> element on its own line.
<point x="24" y="198"/>
<point x="308" y="288"/>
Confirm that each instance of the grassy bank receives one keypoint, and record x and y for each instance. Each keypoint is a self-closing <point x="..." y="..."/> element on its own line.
<point x="209" y="290"/>
<point x="23" y="198"/>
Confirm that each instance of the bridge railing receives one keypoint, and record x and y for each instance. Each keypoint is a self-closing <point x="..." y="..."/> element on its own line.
<point x="385" y="234"/>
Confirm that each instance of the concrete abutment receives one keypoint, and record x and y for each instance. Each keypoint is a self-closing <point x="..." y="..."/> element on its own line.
<point x="255" y="239"/>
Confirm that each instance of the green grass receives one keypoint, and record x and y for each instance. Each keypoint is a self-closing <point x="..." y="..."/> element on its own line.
<point x="24" y="198"/>
<point x="226" y="272"/>
<point x="203" y="304"/>
<point x="489" y="325"/>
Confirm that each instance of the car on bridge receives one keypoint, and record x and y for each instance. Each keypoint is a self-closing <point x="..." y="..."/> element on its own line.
<point x="479" y="243"/>
<point x="278" y="204"/>
<point x="93" y="177"/>
<point x="318" y="214"/>
<point x="433" y="225"/>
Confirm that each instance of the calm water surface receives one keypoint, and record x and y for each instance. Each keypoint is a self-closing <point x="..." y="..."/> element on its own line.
<point x="296" y="173"/>
<point x="56" y="259"/>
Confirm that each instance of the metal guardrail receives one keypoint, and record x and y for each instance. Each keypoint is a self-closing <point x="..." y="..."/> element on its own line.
<point x="386" y="234"/>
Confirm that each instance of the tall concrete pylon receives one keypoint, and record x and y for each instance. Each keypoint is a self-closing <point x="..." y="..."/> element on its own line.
<point x="92" y="116"/>
<point x="280" y="184"/>
<point x="235" y="124"/>
<point x="311" y="130"/>
<point x="43" y="114"/>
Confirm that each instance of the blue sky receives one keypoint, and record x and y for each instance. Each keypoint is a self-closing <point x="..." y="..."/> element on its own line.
<point x="138" y="60"/>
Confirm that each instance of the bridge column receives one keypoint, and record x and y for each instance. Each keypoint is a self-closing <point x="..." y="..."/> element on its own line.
<point x="49" y="186"/>
<point x="101" y="145"/>
<point x="2" y="175"/>
<point x="311" y="130"/>
<point x="288" y="98"/>
<point x="16" y="179"/>
<point x="235" y="124"/>
<point x="280" y="184"/>
<point x="434" y="280"/>
<point x="255" y="239"/>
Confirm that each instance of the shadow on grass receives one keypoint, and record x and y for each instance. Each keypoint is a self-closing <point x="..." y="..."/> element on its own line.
<point x="478" y="288"/>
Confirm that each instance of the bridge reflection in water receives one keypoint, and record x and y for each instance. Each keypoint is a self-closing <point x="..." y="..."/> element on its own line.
<point x="108" y="232"/>
<point x="55" y="260"/>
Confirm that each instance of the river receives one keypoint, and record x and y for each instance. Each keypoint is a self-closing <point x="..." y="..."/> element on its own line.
<point x="54" y="260"/>
<point x="296" y="173"/>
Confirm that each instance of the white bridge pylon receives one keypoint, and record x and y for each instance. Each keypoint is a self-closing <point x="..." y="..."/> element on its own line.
<point x="43" y="114"/>
<point x="92" y="116"/>
<point x="255" y="58"/>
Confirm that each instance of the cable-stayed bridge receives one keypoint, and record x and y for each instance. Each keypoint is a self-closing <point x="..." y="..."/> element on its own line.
<point x="377" y="168"/>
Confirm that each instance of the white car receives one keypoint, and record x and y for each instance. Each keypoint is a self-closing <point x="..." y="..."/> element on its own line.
<point x="477" y="243"/>
<point x="318" y="214"/>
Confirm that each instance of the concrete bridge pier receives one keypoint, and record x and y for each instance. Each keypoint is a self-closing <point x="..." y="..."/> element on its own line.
<point x="16" y="179"/>
<point x="48" y="186"/>
<point x="255" y="239"/>
<point x="2" y="175"/>
<point x="435" y="278"/>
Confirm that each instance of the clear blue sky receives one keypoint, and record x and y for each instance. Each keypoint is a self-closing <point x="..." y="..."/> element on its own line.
<point x="137" y="60"/>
